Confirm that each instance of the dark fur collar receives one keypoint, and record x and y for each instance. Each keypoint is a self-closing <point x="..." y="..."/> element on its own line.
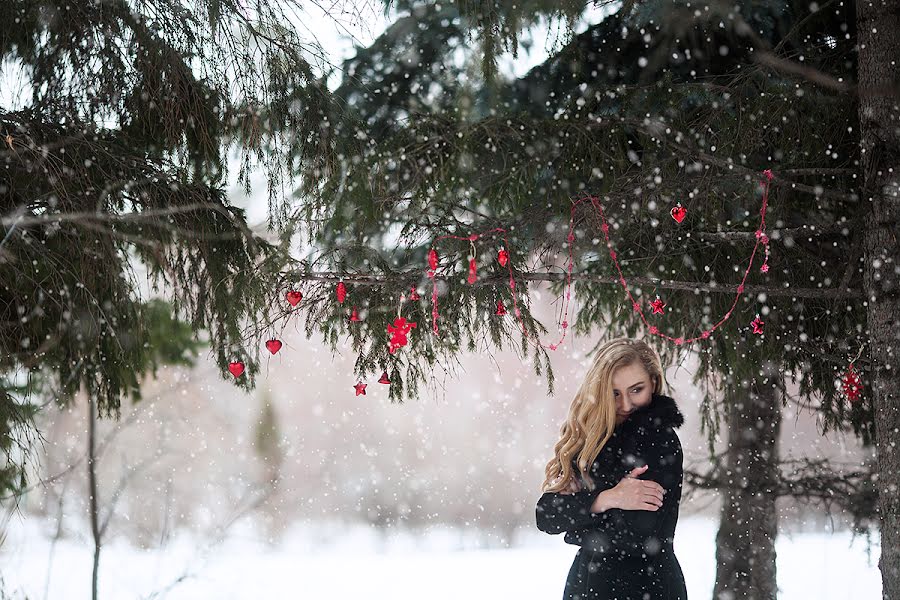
<point x="661" y="412"/>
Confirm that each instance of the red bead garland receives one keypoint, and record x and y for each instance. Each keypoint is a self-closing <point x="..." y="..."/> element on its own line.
<point x="761" y="238"/>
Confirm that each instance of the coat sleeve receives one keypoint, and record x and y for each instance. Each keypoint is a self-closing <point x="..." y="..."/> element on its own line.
<point x="637" y="532"/>
<point x="557" y="512"/>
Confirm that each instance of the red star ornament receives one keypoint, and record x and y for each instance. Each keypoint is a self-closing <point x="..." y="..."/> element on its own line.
<point x="360" y="389"/>
<point x="757" y="325"/>
<point x="658" y="306"/>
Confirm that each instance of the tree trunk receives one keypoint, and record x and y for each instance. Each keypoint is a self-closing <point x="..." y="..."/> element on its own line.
<point x="745" y="543"/>
<point x="92" y="492"/>
<point x="878" y="23"/>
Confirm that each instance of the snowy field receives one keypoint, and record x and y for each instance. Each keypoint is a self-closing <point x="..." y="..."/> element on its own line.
<point x="440" y="565"/>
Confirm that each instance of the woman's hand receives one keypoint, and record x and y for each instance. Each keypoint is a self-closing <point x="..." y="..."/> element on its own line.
<point x="631" y="494"/>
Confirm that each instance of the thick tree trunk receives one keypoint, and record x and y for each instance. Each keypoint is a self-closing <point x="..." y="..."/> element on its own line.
<point x="745" y="543"/>
<point x="878" y="23"/>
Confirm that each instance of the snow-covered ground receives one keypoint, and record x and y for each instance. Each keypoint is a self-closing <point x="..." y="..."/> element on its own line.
<point x="316" y="561"/>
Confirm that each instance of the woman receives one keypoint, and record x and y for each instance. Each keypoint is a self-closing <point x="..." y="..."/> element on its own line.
<point x="622" y="510"/>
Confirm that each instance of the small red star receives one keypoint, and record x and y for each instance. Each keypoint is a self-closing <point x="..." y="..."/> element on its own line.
<point x="764" y="268"/>
<point x="757" y="325"/>
<point x="657" y="306"/>
<point x="360" y="389"/>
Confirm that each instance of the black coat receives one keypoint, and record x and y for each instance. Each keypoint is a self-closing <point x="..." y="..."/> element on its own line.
<point x="625" y="554"/>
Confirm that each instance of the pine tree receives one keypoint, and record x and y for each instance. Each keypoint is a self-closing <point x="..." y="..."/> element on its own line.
<point x="114" y="154"/>
<point x="659" y="103"/>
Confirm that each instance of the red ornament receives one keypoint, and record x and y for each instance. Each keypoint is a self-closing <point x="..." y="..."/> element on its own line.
<point x="503" y="257"/>
<point x="501" y="310"/>
<point x="236" y="367"/>
<point x="432" y="262"/>
<point x="851" y="384"/>
<point x="757" y="325"/>
<point x="472" y="271"/>
<point x="658" y="306"/>
<point x="384" y="378"/>
<point x="764" y="268"/>
<point x="354" y="316"/>
<point x="294" y="297"/>
<point x="341" y="292"/>
<point x="360" y="389"/>
<point x="398" y="331"/>
<point x="273" y="346"/>
<point x="679" y="212"/>
<point x="413" y="294"/>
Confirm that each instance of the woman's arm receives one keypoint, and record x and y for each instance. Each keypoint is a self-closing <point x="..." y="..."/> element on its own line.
<point x="557" y="512"/>
<point x="636" y="532"/>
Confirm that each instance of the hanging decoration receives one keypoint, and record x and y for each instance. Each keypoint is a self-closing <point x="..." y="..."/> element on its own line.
<point x="678" y="213"/>
<point x="399" y="332"/>
<point x="236" y="367"/>
<point x="757" y="325"/>
<point x="432" y="269"/>
<point x="432" y="262"/>
<point x="401" y="328"/>
<point x="503" y="257"/>
<point x="294" y="297"/>
<point x="473" y="275"/>
<point x="851" y="384"/>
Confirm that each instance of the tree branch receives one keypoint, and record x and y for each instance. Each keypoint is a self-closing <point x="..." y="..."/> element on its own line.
<point x="411" y="277"/>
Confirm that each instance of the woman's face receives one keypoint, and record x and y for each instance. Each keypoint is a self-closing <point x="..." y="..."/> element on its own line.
<point x="632" y="389"/>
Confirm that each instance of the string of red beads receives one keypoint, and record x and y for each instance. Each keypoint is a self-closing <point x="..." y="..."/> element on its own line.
<point x="761" y="238"/>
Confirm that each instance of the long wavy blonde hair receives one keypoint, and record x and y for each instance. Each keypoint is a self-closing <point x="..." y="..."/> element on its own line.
<point x="592" y="414"/>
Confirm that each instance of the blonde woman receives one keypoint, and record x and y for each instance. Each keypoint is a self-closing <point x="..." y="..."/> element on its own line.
<point x="614" y="483"/>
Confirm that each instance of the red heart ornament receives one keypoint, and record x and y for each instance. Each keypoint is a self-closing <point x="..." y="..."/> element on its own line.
<point x="273" y="346"/>
<point x="236" y="368"/>
<point x="678" y="213"/>
<point x="294" y="298"/>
